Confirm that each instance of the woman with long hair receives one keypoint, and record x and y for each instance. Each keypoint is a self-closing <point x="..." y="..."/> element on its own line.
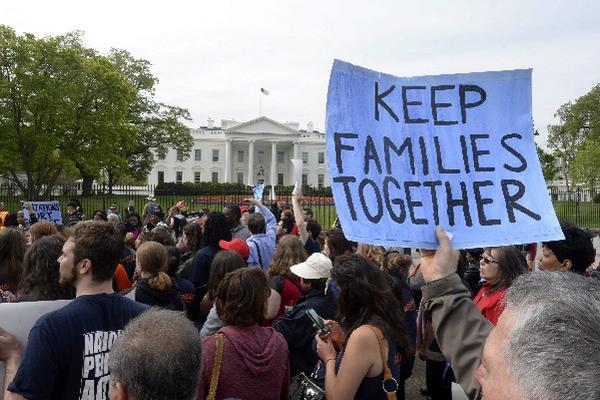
<point x="499" y="267"/>
<point x="285" y="286"/>
<point x="223" y="263"/>
<point x="189" y="243"/>
<point x="155" y="287"/>
<point x="336" y="244"/>
<point x="133" y="223"/>
<point x="40" y="271"/>
<point x="374" y="334"/>
<point x="12" y="252"/>
<point x="214" y="230"/>
<point x="254" y="360"/>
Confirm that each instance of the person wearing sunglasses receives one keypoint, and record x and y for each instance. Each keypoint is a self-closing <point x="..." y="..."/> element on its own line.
<point x="499" y="267"/>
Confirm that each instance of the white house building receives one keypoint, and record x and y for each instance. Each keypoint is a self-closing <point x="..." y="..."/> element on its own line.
<point x="249" y="152"/>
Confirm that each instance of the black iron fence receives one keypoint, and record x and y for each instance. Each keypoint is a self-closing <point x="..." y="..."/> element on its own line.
<point x="102" y="199"/>
<point x="579" y="206"/>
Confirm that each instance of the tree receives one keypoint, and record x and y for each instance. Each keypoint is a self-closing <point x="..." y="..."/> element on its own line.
<point x="585" y="168"/>
<point x="158" y="126"/>
<point x="64" y="106"/>
<point x="578" y="122"/>
<point x="548" y="163"/>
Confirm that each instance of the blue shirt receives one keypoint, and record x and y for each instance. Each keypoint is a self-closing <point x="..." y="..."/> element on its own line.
<point x="262" y="245"/>
<point x="67" y="350"/>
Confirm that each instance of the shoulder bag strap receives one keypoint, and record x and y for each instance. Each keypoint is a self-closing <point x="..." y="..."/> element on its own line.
<point x="389" y="384"/>
<point x="216" y="370"/>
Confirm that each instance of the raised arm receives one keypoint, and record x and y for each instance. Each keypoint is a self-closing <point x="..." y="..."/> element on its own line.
<point x="459" y="327"/>
<point x="299" y="216"/>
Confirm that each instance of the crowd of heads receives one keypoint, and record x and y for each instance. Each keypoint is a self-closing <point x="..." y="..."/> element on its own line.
<point x="369" y="285"/>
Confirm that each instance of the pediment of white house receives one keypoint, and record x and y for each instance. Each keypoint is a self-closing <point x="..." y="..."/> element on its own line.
<point x="261" y="126"/>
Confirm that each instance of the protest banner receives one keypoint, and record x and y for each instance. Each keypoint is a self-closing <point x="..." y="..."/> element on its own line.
<point x="44" y="210"/>
<point x="19" y="318"/>
<point x="408" y="154"/>
<point x="297" y="174"/>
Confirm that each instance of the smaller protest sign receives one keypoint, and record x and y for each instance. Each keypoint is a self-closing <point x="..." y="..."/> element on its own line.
<point x="44" y="210"/>
<point x="258" y="191"/>
<point x="297" y="163"/>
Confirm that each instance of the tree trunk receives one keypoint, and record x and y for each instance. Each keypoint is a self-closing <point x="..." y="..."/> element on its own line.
<point x="86" y="185"/>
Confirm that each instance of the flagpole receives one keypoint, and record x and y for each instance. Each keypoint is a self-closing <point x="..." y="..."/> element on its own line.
<point x="260" y="95"/>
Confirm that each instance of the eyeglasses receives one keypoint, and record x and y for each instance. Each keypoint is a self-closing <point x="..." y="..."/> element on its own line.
<point x="488" y="260"/>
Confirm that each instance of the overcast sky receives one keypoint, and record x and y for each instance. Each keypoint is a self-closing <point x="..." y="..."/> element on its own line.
<point x="213" y="57"/>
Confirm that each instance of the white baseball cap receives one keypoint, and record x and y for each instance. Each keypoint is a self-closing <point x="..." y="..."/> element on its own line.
<point x="317" y="266"/>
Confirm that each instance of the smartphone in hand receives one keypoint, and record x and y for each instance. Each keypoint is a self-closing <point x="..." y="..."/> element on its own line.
<point x="318" y="321"/>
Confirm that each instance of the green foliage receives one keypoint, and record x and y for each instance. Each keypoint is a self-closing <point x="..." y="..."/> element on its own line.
<point x="585" y="169"/>
<point x="64" y="106"/>
<point x="579" y="121"/>
<point x="548" y="162"/>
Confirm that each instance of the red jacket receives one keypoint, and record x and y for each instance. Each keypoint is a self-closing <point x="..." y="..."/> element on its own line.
<point x="491" y="304"/>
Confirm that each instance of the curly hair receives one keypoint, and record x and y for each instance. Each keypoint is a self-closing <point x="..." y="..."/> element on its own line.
<point x="40" y="271"/>
<point x="366" y="298"/>
<point x="99" y="242"/>
<point x="577" y="247"/>
<point x="373" y="253"/>
<point x="216" y="229"/>
<point x="289" y="251"/>
<point x="12" y="252"/>
<point x="40" y="229"/>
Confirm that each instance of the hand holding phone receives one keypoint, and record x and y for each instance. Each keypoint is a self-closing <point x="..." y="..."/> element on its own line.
<point x="318" y="321"/>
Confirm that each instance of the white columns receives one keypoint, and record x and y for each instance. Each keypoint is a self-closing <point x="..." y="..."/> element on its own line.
<point x="228" y="158"/>
<point x="296" y="149"/>
<point x="251" y="181"/>
<point x="273" y="168"/>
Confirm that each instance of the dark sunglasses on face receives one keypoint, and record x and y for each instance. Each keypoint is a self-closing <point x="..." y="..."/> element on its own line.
<point x="487" y="260"/>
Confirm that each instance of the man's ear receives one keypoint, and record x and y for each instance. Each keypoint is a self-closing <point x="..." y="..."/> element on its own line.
<point x="117" y="391"/>
<point x="86" y="267"/>
<point x="567" y="265"/>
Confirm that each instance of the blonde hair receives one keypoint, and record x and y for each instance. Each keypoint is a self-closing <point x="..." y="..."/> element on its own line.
<point x="153" y="259"/>
<point x="373" y="253"/>
<point x="289" y="251"/>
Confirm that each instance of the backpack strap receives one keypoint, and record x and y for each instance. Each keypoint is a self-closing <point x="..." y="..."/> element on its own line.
<point x="258" y="251"/>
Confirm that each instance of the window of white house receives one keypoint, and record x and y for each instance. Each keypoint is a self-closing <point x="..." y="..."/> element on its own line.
<point x="304" y="157"/>
<point x="320" y="180"/>
<point x="280" y="179"/>
<point x="197" y="177"/>
<point x="198" y="155"/>
<point x="304" y="179"/>
<point x="179" y="176"/>
<point x="161" y="177"/>
<point x="215" y="177"/>
<point x="280" y="157"/>
<point x="261" y="157"/>
<point x="241" y="156"/>
<point x="240" y="177"/>
<point x="321" y="157"/>
<point x="215" y="155"/>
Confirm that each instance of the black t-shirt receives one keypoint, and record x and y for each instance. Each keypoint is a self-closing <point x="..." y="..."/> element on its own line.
<point x="67" y="351"/>
<point x="311" y="246"/>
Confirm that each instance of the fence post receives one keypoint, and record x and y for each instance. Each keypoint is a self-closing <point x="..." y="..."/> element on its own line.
<point x="577" y="200"/>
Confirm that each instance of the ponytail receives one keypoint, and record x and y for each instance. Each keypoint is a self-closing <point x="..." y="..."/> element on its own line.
<point x="160" y="281"/>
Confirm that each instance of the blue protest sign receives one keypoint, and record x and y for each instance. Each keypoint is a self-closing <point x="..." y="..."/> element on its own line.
<point x="409" y="154"/>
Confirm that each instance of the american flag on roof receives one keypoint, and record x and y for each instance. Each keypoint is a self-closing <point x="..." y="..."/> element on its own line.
<point x="264" y="91"/>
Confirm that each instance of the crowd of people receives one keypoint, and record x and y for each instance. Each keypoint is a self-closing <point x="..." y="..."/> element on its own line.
<point x="257" y="302"/>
